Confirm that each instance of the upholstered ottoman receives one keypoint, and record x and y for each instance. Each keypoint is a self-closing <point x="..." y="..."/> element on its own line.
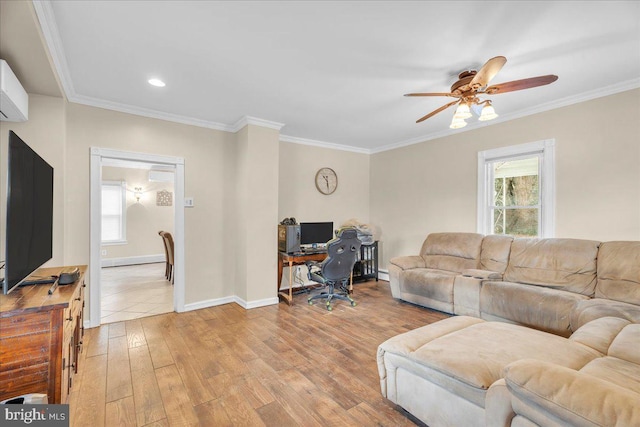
<point x="440" y="373"/>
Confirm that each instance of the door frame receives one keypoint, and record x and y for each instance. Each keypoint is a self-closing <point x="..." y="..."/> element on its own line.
<point x="97" y="155"/>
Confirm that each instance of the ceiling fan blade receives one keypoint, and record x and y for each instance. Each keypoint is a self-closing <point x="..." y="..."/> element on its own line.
<point x="487" y="72"/>
<point x="433" y="113"/>
<point x="432" y="94"/>
<point x="521" y="84"/>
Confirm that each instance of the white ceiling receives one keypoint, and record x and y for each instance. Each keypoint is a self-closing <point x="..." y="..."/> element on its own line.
<point x="335" y="72"/>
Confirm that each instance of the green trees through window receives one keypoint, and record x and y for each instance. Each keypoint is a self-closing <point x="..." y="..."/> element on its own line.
<point x="516" y="190"/>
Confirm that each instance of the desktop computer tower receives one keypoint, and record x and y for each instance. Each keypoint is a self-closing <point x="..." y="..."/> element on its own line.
<point x="289" y="238"/>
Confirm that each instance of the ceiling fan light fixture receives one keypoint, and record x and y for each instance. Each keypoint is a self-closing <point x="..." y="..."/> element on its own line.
<point x="462" y="112"/>
<point x="488" y="113"/>
<point x="457" y="123"/>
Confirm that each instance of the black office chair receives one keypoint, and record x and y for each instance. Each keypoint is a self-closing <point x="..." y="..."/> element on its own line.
<point x="335" y="270"/>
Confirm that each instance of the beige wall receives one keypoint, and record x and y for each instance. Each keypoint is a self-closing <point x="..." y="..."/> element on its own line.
<point x="432" y="186"/>
<point x="403" y="193"/>
<point x="298" y="196"/>
<point x="144" y="218"/>
<point x="256" y="225"/>
<point x="206" y="153"/>
<point x="44" y="132"/>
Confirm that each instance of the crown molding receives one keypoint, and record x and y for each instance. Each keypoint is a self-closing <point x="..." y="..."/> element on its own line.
<point x="322" y="144"/>
<point x="248" y="120"/>
<point x="49" y="27"/>
<point x="146" y="112"/>
<point x="559" y="103"/>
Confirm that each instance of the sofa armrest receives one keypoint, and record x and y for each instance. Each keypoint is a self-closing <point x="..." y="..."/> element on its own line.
<point x="542" y="391"/>
<point x="481" y="274"/>
<point x="497" y="405"/>
<point x="408" y="262"/>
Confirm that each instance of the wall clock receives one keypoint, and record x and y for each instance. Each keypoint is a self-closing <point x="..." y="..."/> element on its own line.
<point x="326" y="180"/>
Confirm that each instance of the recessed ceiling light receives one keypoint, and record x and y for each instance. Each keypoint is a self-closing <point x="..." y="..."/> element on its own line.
<point x="156" y="82"/>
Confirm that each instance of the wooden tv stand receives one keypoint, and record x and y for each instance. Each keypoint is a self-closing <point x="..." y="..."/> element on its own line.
<point x="41" y="337"/>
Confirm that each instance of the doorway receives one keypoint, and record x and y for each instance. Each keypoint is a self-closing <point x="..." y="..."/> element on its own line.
<point x="105" y="157"/>
<point x="137" y="203"/>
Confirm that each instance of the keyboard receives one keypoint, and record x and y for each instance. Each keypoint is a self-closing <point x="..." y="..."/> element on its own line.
<point x="314" y="251"/>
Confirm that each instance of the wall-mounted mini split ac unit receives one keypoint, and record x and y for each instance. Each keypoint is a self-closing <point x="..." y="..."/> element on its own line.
<point x="14" y="101"/>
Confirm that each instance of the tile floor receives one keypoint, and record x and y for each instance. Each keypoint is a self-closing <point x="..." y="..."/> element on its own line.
<point x="134" y="291"/>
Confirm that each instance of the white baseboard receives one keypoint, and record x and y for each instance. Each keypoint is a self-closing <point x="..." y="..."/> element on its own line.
<point x="132" y="260"/>
<point x="226" y="300"/>
<point x="208" y="303"/>
<point x="255" y="304"/>
<point x="383" y="275"/>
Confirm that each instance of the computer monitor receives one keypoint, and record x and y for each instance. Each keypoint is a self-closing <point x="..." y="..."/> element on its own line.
<point x="315" y="233"/>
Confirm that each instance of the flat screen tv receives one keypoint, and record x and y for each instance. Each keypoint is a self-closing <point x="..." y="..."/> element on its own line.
<point x="315" y="232"/>
<point x="29" y="232"/>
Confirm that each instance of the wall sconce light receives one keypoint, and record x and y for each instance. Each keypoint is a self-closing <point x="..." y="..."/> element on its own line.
<point x="138" y="194"/>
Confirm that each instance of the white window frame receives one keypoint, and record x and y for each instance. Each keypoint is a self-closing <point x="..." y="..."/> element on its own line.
<point x="545" y="150"/>
<point x="123" y="214"/>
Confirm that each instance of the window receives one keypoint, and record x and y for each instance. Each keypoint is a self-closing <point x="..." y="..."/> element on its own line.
<point x="516" y="190"/>
<point x="114" y="212"/>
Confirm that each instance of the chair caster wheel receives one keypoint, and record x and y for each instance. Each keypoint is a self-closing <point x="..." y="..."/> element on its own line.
<point x="353" y="303"/>
<point x="310" y="302"/>
<point x="329" y="308"/>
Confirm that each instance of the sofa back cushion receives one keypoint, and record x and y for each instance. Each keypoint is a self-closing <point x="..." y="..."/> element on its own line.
<point x="619" y="272"/>
<point x="625" y="345"/>
<point x="452" y="251"/>
<point x="565" y="264"/>
<point x="494" y="255"/>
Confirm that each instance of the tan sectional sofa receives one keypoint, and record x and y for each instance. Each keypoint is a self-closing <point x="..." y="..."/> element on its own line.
<point x="548" y="332"/>
<point x="555" y="285"/>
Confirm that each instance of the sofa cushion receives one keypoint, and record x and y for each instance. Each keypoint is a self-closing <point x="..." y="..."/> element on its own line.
<point x="408" y="342"/>
<point x="494" y="252"/>
<point x="470" y="359"/>
<point x="617" y="371"/>
<point x="429" y="283"/>
<point x="622" y="365"/>
<point x="586" y="311"/>
<point x="619" y="272"/>
<point x="551" y="395"/>
<point x="534" y="306"/>
<point x="600" y="333"/>
<point x="626" y="345"/>
<point x="563" y="264"/>
<point x="408" y="262"/>
<point x="452" y="251"/>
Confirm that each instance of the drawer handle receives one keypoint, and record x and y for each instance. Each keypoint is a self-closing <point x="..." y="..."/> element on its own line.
<point x="78" y="299"/>
<point x="70" y="319"/>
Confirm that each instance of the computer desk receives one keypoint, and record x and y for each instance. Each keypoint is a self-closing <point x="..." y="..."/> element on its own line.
<point x="297" y="259"/>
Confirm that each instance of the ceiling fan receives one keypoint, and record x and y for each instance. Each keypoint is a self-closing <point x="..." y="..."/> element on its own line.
<point x="472" y="84"/>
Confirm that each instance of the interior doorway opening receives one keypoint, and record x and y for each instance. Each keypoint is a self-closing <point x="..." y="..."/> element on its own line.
<point x="137" y="201"/>
<point x="101" y="161"/>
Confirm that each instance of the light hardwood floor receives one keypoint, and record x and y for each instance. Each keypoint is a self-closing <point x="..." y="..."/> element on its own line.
<point x="227" y="366"/>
